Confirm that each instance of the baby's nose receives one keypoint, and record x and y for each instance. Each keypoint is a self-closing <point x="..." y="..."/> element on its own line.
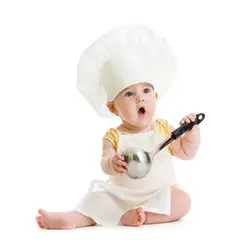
<point x="139" y="99"/>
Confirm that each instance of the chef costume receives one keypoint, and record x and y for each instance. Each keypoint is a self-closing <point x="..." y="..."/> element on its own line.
<point x="124" y="56"/>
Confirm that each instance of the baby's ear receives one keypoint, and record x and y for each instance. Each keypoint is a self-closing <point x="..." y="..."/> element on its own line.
<point x="156" y="95"/>
<point x="111" y="107"/>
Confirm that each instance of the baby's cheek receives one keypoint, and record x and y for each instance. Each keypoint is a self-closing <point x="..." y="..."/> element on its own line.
<point x="131" y="112"/>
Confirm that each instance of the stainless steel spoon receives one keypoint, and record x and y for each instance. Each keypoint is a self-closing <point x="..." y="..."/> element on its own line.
<point x="139" y="161"/>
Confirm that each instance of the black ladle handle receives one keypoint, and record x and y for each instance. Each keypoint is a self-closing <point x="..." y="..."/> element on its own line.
<point x="187" y="126"/>
<point x="179" y="131"/>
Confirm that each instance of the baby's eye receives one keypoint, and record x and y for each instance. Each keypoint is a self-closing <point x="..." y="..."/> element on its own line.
<point x="128" y="94"/>
<point x="146" y="90"/>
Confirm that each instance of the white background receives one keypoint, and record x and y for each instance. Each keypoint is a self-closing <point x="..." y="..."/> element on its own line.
<point x="50" y="138"/>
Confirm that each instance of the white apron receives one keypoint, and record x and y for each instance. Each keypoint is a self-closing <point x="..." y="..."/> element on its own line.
<point x="107" y="201"/>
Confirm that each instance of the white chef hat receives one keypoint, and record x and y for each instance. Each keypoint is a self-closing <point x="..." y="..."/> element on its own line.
<point x="124" y="56"/>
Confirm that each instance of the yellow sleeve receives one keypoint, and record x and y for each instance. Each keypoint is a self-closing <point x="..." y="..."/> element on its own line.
<point x="164" y="128"/>
<point x="112" y="136"/>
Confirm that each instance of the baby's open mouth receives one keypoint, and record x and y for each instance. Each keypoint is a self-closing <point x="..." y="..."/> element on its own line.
<point x="141" y="111"/>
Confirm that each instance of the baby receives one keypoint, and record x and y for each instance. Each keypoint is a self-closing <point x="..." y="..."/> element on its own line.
<point x="120" y="200"/>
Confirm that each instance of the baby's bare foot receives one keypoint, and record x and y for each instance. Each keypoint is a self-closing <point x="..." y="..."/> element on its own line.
<point x="135" y="217"/>
<point x="53" y="220"/>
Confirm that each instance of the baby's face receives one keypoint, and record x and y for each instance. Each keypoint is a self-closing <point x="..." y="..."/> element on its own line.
<point x="136" y="104"/>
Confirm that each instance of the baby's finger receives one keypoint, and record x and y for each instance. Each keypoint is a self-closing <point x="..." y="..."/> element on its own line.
<point x="181" y="122"/>
<point x="121" y="163"/>
<point x="119" y="156"/>
<point x="117" y="161"/>
<point x="193" y="114"/>
<point x="191" y="117"/>
<point x="120" y="169"/>
<point x="186" y="119"/>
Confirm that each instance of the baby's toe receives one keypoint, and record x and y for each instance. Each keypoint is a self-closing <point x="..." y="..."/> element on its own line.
<point x="138" y="223"/>
<point x="139" y="210"/>
<point x="40" y="224"/>
<point x="141" y="218"/>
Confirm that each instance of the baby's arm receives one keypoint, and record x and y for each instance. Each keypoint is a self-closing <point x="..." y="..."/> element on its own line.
<point x="112" y="162"/>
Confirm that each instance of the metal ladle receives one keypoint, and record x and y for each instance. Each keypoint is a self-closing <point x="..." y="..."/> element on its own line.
<point x="139" y="161"/>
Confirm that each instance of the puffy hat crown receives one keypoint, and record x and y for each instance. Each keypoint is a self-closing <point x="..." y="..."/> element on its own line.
<point x="124" y="56"/>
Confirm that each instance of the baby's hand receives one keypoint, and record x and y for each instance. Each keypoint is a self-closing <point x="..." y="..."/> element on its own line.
<point x="187" y="119"/>
<point x="118" y="164"/>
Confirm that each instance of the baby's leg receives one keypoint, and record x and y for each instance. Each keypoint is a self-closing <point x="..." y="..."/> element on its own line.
<point x="62" y="220"/>
<point x="180" y="206"/>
